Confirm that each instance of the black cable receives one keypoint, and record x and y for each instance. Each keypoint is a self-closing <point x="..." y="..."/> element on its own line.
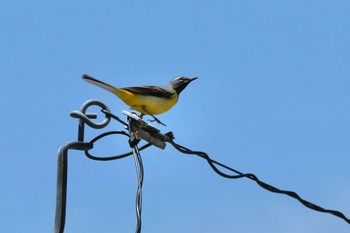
<point x="213" y="164"/>
<point x="90" y="156"/>
<point x="253" y="177"/>
<point x="108" y="114"/>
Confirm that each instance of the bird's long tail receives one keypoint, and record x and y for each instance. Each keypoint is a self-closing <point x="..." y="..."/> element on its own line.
<point x="99" y="83"/>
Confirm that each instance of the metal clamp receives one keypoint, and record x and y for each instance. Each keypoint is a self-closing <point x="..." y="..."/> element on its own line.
<point x="146" y="131"/>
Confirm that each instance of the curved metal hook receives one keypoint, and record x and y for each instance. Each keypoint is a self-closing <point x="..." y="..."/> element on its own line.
<point x="85" y="118"/>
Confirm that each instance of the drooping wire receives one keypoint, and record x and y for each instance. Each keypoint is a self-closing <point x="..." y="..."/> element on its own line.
<point x="213" y="164"/>
<point x="140" y="173"/>
<point x="89" y="155"/>
<point x="133" y="141"/>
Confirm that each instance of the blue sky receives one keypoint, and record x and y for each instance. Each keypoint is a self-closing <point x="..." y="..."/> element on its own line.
<point x="272" y="99"/>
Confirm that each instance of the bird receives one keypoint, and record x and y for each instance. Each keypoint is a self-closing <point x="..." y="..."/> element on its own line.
<point x="148" y="100"/>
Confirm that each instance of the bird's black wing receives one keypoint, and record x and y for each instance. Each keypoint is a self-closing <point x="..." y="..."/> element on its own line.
<point x="156" y="91"/>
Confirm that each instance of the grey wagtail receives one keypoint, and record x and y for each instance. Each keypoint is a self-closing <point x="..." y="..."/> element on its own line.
<point x="148" y="100"/>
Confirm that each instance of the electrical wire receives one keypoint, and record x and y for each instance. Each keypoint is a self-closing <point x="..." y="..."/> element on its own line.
<point x="90" y="156"/>
<point x="213" y="164"/>
<point x="138" y="164"/>
<point x="140" y="174"/>
<point x="133" y="141"/>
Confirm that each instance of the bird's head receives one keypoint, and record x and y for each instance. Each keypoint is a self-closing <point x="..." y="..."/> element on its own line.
<point x="180" y="83"/>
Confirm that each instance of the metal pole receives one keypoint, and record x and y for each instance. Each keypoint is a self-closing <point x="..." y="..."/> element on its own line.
<point x="61" y="193"/>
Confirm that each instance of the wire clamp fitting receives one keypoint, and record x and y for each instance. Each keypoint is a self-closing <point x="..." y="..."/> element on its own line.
<point x="145" y="131"/>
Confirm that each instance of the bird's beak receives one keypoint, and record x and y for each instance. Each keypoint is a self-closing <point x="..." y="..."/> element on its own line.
<point x="192" y="79"/>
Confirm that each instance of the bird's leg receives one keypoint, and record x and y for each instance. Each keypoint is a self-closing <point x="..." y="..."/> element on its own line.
<point x="154" y="118"/>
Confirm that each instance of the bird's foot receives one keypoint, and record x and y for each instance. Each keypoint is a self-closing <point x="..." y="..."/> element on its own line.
<point x="155" y="119"/>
